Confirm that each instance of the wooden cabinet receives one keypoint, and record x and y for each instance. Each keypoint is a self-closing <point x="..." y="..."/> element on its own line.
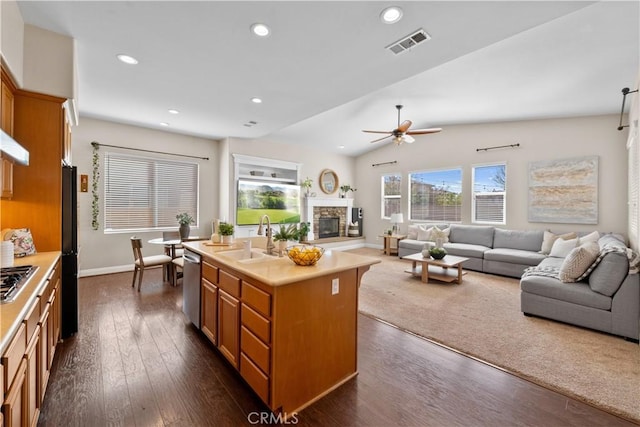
<point x="228" y="326"/>
<point x="27" y="360"/>
<point x="6" y="105"/>
<point x="6" y="178"/>
<point x="209" y="301"/>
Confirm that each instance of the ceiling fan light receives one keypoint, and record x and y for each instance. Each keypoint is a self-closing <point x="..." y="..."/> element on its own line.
<point x="391" y="15"/>
<point x="408" y="139"/>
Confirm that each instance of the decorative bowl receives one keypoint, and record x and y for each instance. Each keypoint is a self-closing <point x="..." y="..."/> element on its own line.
<point x="304" y="254"/>
<point x="437" y="253"/>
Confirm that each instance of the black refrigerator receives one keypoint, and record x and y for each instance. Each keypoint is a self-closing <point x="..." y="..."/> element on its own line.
<point x="69" y="251"/>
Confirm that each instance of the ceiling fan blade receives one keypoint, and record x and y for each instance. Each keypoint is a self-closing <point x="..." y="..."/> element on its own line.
<point x="380" y="139"/>
<point x="404" y="126"/>
<point x="377" y="131"/>
<point x="423" y="131"/>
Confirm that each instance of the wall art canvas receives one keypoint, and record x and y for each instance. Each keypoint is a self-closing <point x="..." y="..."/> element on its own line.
<point x="564" y="191"/>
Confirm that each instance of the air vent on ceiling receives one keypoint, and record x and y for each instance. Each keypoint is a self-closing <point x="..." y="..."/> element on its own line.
<point x="408" y="42"/>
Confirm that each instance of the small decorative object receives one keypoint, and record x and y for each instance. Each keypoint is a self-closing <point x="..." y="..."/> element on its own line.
<point x="354" y="230"/>
<point x="328" y="181"/>
<point x="437" y="253"/>
<point x="226" y="231"/>
<point x="389" y="232"/>
<point x="344" y="190"/>
<point x="425" y="250"/>
<point x="306" y="184"/>
<point x="185" y="220"/>
<point x="256" y="173"/>
<point x="95" y="199"/>
<point x="304" y="254"/>
<point x="285" y="234"/>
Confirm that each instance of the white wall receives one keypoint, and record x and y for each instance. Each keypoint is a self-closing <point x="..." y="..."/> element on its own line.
<point x="102" y="253"/>
<point x="12" y="39"/>
<point x="549" y="139"/>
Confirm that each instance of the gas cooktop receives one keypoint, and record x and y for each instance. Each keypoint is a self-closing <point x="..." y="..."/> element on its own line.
<point x="13" y="279"/>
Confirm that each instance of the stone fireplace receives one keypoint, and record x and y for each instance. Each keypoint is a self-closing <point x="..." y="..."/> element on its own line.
<point x="316" y="208"/>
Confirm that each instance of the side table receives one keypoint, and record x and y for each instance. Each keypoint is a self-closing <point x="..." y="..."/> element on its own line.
<point x="389" y="239"/>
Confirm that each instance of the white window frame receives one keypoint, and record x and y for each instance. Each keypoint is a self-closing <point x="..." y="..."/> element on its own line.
<point x="475" y="193"/>
<point x="436" y="220"/>
<point x="157" y="193"/>
<point x="384" y="197"/>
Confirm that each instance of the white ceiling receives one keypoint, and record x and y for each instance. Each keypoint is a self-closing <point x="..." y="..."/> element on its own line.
<point x="324" y="73"/>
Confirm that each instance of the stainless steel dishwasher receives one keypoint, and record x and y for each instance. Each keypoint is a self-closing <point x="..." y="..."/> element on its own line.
<point x="191" y="286"/>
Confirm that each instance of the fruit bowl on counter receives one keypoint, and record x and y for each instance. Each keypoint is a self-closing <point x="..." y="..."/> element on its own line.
<point x="304" y="254"/>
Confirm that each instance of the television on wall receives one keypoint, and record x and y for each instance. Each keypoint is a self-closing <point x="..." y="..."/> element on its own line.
<point x="257" y="198"/>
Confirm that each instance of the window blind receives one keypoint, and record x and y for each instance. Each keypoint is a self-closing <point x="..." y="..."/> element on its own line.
<point x="144" y="193"/>
<point x="489" y="207"/>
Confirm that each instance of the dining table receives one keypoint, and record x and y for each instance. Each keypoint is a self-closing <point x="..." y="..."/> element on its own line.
<point x="170" y="249"/>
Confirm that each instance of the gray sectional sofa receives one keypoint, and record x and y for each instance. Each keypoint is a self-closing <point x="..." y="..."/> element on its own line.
<point x="607" y="299"/>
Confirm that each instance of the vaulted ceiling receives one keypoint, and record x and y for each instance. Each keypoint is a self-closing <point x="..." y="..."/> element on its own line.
<point x="324" y="72"/>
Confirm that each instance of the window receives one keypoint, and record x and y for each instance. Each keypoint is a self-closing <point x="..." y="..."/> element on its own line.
<point x="145" y="193"/>
<point x="489" y="194"/>
<point x="436" y="195"/>
<point x="391" y="197"/>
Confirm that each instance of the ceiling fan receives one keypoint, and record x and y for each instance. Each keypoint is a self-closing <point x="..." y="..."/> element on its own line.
<point x="402" y="133"/>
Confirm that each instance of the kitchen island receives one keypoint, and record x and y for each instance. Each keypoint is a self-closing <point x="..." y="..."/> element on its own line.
<point x="291" y="331"/>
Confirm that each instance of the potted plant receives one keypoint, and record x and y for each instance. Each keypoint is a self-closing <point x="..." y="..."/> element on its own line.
<point x="289" y="232"/>
<point x="303" y="231"/>
<point x="185" y="220"/>
<point x="344" y="189"/>
<point x="226" y="231"/>
<point x="306" y="184"/>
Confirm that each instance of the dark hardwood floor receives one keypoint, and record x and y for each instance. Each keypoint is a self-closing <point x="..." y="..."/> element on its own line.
<point x="137" y="361"/>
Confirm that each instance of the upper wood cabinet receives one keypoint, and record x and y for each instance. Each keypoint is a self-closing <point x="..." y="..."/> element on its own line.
<point x="6" y="106"/>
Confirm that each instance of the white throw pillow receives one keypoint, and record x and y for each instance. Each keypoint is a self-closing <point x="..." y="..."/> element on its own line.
<point x="578" y="261"/>
<point x="440" y="234"/>
<point x="561" y="247"/>
<point x="549" y="239"/>
<point x="591" y="237"/>
<point x="413" y="232"/>
<point x="425" y="235"/>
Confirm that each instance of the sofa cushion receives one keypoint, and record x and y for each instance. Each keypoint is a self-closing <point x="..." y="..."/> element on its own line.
<point x="549" y="238"/>
<point x="576" y="293"/>
<point x="578" y="261"/>
<point x="561" y="247"/>
<point x="515" y="256"/>
<point x="466" y="250"/>
<point x="612" y="269"/>
<point x="472" y="234"/>
<point x="416" y="245"/>
<point x="530" y="240"/>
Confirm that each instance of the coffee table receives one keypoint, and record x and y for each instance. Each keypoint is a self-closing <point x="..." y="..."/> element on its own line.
<point x="447" y="269"/>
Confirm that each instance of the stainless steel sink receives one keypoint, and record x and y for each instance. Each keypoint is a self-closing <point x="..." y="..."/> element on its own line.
<point x="256" y="255"/>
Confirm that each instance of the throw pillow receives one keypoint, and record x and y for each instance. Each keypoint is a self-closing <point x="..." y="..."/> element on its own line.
<point x="22" y="242"/>
<point x="549" y="239"/>
<point x="440" y="234"/>
<point x="591" y="237"/>
<point x="561" y="247"/>
<point x="413" y="232"/>
<point x="425" y="235"/>
<point x="578" y="261"/>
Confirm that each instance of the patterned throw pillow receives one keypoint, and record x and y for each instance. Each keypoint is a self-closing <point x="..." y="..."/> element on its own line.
<point x="440" y="234"/>
<point x="578" y="261"/>
<point x="22" y="242"/>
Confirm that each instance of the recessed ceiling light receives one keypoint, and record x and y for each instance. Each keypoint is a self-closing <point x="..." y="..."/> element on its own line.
<point x="341" y="147"/>
<point x="127" y="59"/>
<point x="391" y="15"/>
<point x="256" y="100"/>
<point x="260" y="30"/>
<point x="173" y="111"/>
<point x="165" y="124"/>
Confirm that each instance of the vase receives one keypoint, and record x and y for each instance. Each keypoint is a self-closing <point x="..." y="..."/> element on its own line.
<point x="227" y="240"/>
<point x="184" y="230"/>
<point x="282" y="245"/>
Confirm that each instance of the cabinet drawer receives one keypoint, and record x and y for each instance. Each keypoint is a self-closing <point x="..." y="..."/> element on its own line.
<point x="229" y="283"/>
<point x="257" y="324"/>
<point x="13" y="355"/>
<point x="255" y="349"/>
<point x="32" y="318"/>
<point x="256" y="298"/>
<point x="258" y="381"/>
<point x="210" y="272"/>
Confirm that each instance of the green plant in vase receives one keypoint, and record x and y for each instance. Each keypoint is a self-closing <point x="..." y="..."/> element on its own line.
<point x="226" y="230"/>
<point x="284" y="234"/>
<point x="185" y="220"/>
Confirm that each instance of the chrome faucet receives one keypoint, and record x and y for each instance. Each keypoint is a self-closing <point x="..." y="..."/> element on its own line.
<point x="269" y="234"/>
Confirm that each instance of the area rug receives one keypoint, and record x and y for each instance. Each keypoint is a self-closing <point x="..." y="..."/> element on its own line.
<point x="481" y="318"/>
